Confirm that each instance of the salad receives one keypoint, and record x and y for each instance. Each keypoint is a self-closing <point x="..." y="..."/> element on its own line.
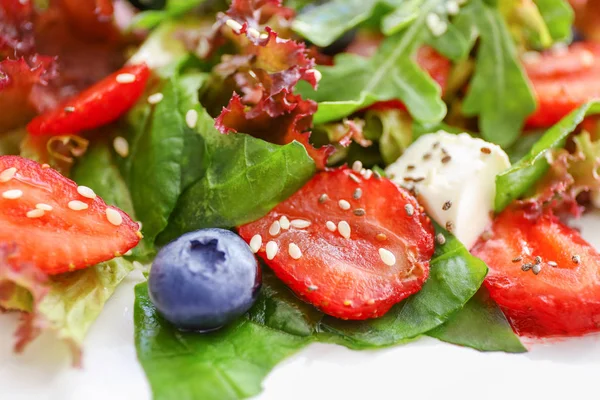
<point x="361" y="173"/>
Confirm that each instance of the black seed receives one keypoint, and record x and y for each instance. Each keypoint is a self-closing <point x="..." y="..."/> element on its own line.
<point x="449" y="226"/>
<point x="526" y="267"/>
<point x="538" y="259"/>
<point x="418" y="179"/>
<point x="426" y="156"/>
<point x="323" y="198"/>
<point x="486" y="150"/>
<point x="447" y="205"/>
<point x="410" y="167"/>
<point x="359" y="212"/>
<point x="436" y="145"/>
<point x="576" y="259"/>
<point x="446" y="159"/>
<point x="517" y="259"/>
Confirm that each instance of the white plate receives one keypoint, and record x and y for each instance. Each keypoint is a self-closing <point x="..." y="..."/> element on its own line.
<point x="425" y="369"/>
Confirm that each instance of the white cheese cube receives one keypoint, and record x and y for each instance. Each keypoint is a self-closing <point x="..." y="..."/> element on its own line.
<point x="454" y="178"/>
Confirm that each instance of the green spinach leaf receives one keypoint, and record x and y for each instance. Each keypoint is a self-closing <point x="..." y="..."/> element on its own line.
<point x="455" y="276"/>
<point x="228" y="364"/>
<point x="481" y="325"/>
<point x="514" y="182"/>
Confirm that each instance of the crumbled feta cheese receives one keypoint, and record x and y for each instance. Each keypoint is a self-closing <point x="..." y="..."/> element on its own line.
<point x="454" y="177"/>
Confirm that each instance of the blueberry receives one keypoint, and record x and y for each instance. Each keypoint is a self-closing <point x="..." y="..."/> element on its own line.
<point x="204" y="279"/>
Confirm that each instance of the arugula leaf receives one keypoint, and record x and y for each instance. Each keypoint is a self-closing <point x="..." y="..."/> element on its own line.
<point x="389" y="74"/>
<point x="514" y="182"/>
<point x="499" y="93"/>
<point x="228" y="364"/>
<point x="455" y="276"/>
<point x="173" y="9"/>
<point x="558" y="16"/>
<point x="481" y="325"/>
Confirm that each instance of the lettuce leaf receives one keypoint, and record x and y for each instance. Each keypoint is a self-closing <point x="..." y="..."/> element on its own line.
<point x="174" y="8"/>
<point x="517" y="180"/>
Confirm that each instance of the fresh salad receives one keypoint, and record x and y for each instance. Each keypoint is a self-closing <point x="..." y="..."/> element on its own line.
<point x="357" y="172"/>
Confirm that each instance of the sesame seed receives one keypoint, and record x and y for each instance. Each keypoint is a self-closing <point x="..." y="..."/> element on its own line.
<point x="359" y="212"/>
<point x="387" y="257"/>
<point x="553" y="264"/>
<point x="113" y="216"/>
<point x="255" y="243"/>
<point x="323" y="198"/>
<point x="45" y="166"/>
<point x="44" y="207"/>
<point x="300" y="223"/>
<point x="370" y="302"/>
<point x="436" y="145"/>
<point x="191" y="118"/>
<point x="294" y="251"/>
<point x="35" y="213"/>
<point x="7" y="174"/>
<point x="447" y="205"/>
<point x="77" y="205"/>
<point x="312" y="288"/>
<point x="446" y="159"/>
<point x="233" y="24"/>
<point x="526" y="267"/>
<point x="344" y="205"/>
<point x="125" y="78"/>
<point x="354" y="178"/>
<point x="155" y="98"/>
<point x="253" y="32"/>
<point x="331" y="226"/>
<point x="449" y="226"/>
<point x="576" y="259"/>
<point x="271" y="250"/>
<point x="344" y="229"/>
<point x="12" y="194"/>
<point x="426" y="156"/>
<point x="264" y="36"/>
<point x="121" y="146"/>
<point x="536" y="269"/>
<point x="86" y="192"/>
<point x="368" y="174"/>
<point x="382" y="237"/>
<point x="357" y="194"/>
<point x="517" y="259"/>
<point x="284" y="222"/>
<point x="69" y="109"/>
<point x="275" y="228"/>
<point x="410" y="167"/>
<point x="410" y="209"/>
<point x="486" y="150"/>
<point x="419" y="179"/>
<point x="440" y="238"/>
<point x="538" y="259"/>
<point x="357" y="166"/>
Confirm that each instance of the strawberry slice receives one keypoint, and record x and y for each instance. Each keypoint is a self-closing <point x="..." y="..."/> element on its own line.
<point x="349" y="245"/>
<point x="98" y="105"/>
<point x="55" y="224"/>
<point x="557" y="294"/>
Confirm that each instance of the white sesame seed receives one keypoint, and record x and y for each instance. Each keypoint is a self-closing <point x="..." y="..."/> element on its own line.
<point x="410" y="209"/>
<point x="255" y="243"/>
<point x="294" y="251"/>
<point x="275" y="228"/>
<point x="284" y="222"/>
<point x="253" y="32"/>
<point x="300" y="223"/>
<point x="77" y="205"/>
<point x="121" y="146"/>
<point x="344" y="205"/>
<point x="354" y="178"/>
<point x="86" y="192"/>
<point x="191" y="118"/>
<point x="44" y="207"/>
<point x="272" y="250"/>
<point x="344" y="229"/>
<point x="233" y="24"/>
<point x="452" y="7"/>
<point x="331" y="226"/>
<point x="264" y="36"/>
<point x="113" y="216"/>
<point x="316" y="73"/>
<point x="12" y="194"/>
<point x="368" y="174"/>
<point x="155" y="98"/>
<point x="35" y="213"/>
<point x="387" y="257"/>
<point x="357" y="166"/>
<point x="7" y="174"/>
<point x="125" y="78"/>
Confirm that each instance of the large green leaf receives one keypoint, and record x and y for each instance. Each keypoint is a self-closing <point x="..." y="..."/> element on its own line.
<point x="514" y="182"/>
<point x="455" y="276"/>
<point x="481" y="325"/>
<point x="499" y="92"/>
<point x="228" y="364"/>
<point x="390" y="74"/>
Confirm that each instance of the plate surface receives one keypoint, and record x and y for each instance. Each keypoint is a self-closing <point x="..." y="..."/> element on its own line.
<point x="424" y="369"/>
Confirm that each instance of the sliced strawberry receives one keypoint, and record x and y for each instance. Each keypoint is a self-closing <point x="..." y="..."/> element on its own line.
<point x="562" y="81"/>
<point x="42" y="213"/>
<point x="563" y="298"/>
<point x="384" y="260"/>
<point x="100" y="104"/>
